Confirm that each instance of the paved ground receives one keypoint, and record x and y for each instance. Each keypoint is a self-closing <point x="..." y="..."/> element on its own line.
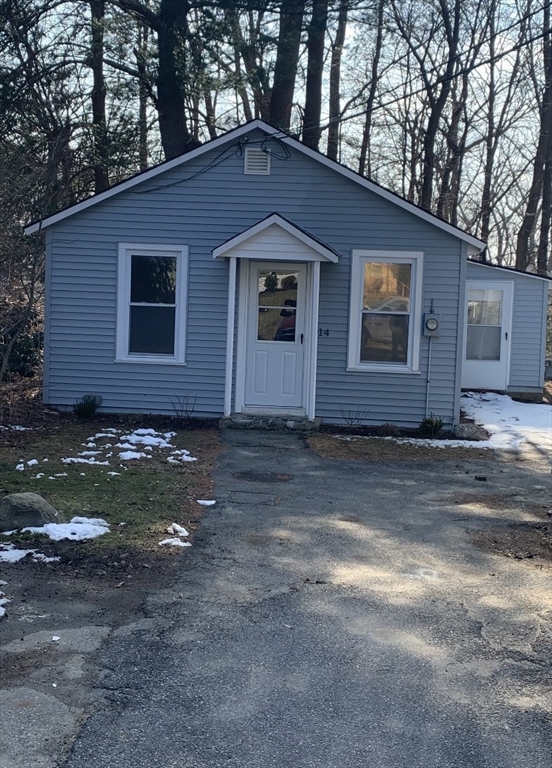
<point x="334" y="616"/>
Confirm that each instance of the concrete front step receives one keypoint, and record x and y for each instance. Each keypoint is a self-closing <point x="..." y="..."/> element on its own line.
<point x="283" y="423"/>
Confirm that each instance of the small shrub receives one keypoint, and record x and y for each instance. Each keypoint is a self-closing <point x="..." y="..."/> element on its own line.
<point x="355" y="417"/>
<point x="431" y="425"/>
<point x="184" y="406"/>
<point x="86" y="406"/>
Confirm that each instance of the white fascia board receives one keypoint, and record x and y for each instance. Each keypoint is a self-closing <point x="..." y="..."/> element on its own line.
<point x="478" y="245"/>
<point x="38" y="226"/>
<point x="222" y="250"/>
<point x="512" y="271"/>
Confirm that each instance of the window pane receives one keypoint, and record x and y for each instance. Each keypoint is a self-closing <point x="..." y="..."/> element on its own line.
<point x="387" y="287"/>
<point x="483" y="342"/>
<point x="384" y="338"/>
<point x="484" y="307"/>
<point x="276" y="324"/>
<point x="153" y="279"/>
<point x="152" y="330"/>
<point x="278" y="289"/>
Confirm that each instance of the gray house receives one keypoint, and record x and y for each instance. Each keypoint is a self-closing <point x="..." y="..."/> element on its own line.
<point x="255" y="275"/>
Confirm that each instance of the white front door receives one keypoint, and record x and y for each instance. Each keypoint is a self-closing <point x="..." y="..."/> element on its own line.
<point x="488" y="335"/>
<point x="275" y="344"/>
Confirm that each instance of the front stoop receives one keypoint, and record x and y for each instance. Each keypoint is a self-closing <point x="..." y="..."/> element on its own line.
<point x="281" y="423"/>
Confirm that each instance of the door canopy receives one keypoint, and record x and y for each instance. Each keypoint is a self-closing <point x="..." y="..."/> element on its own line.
<point x="276" y="239"/>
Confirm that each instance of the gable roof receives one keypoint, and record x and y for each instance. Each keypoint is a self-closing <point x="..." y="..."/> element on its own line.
<point x="511" y="269"/>
<point x="320" y="250"/>
<point x="474" y="244"/>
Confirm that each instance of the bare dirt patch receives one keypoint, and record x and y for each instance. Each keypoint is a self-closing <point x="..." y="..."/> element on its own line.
<point x="521" y="541"/>
<point x="377" y="449"/>
<point x="524" y="540"/>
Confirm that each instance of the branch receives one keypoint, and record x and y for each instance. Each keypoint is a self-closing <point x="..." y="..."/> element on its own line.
<point x="140" y="10"/>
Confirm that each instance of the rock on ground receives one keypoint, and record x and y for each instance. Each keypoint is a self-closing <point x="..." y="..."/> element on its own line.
<point x="25" y="510"/>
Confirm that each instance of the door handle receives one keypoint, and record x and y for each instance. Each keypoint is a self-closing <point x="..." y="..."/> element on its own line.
<point x="301" y="338"/>
<point x="506" y="335"/>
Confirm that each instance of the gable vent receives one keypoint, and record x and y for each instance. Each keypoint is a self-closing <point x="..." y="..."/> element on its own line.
<point x="257" y="161"/>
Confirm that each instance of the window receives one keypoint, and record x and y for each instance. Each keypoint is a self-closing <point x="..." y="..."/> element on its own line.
<point x="484" y="324"/>
<point x="151" y="303"/>
<point x="386" y="289"/>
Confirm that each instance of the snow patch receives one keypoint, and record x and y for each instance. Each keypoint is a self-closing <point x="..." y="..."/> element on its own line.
<point x="509" y="423"/>
<point x="129" y="455"/>
<point x="177" y="529"/>
<point x="32" y="463"/>
<point x="79" y="529"/>
<point x="206" y="502"/>
<point x="85" y="461"/>
<point x="178" y="456"/>
<point x="174" y="542"/>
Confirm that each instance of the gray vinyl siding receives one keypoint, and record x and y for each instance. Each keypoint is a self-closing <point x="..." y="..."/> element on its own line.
<point x="528" y="325"/>
<point x="202" y="213"/>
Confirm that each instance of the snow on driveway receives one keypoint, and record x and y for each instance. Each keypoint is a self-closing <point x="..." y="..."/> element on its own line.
<point x="511" y="425"/>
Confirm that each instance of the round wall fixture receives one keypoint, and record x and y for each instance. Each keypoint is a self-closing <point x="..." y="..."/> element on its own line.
<point x="432" y="323"/>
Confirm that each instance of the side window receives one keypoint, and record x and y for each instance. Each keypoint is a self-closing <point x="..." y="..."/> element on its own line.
<point x="385" y="311"/>
<point x="151" y="303"/>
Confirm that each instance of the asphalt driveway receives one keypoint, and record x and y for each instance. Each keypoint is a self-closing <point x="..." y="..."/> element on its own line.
<point x="334" y="614"/>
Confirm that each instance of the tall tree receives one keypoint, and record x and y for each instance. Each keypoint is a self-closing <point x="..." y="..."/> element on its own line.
<point x="541" y="161"/>
<point x="335" y="81"/>
<point x="315" y="70"/>
<point x="99" y="123"/>
<point x="287" y="60"/>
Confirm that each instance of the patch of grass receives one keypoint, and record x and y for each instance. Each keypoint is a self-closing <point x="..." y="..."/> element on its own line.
<point x="373" y="449"/>
<point x="147" y="495"/>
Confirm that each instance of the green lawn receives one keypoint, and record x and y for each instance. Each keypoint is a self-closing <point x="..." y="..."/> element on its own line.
<point x="147" y="495"/>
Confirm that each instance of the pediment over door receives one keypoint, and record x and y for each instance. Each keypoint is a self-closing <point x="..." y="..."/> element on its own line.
<point x="276" y="239"/>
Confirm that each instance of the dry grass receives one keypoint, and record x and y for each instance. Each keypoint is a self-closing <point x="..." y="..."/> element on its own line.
<point x="147" y="496"/>
<point x="375" y="449"/>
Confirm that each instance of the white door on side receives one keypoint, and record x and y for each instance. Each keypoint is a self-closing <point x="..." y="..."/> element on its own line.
<point x="488" y="336"/>
<point x="275" y="335"/>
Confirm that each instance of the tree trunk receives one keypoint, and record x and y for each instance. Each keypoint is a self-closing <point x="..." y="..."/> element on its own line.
<point x="335" y="81"/>
<point x="544" y="257"/>
<point x="456" y="144"/>
<point x="141" y="57"/>
<point x="315" y="70"/>
<point x="438" y="104"/>
<point x="541" y="155"/>
<point x="287" y="58"/>
<point x="99" y="126"/>
<point x="364" y="164"/>
<point x="171" y="35"/>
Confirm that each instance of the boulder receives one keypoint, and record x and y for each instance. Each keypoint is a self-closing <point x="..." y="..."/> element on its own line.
<point x="469" y="431"/>
<point x="26" y="510"/>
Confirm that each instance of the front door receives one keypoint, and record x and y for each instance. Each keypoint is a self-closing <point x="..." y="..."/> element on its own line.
<point x="488" y="336"/>
<point x="274" y="365"/>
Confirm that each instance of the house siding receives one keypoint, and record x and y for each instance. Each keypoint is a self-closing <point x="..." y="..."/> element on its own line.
<point x="204" y="212"/>
<point x="528" y="325"/>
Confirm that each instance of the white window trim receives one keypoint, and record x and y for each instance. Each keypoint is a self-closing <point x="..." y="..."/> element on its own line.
<point x="359" y="257"/>
<point x="126" y="250"/>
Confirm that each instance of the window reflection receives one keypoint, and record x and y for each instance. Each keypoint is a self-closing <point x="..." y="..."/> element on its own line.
<point x="386" y="311"/>
<point x="384" y="338"/>
<point x="277" y="306"/>
<point x="387" y="287"/>
<point x="153" y="280"/>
